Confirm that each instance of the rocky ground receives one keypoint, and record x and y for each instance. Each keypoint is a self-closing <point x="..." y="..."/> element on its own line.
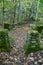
<point x="17" y="54"/>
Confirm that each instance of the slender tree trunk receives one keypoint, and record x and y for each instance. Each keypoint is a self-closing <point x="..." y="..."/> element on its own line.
<point x="14" y="11"/>
<point x="37" y="9"/>
<point x="19" y="11"/>
<point x="3" y="11"/>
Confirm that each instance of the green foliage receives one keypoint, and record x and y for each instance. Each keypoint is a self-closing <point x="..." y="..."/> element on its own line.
<point x="16" y="11"/>
<point x="32" y="43"/>
<point x="4" y="40"/>
<point x="42" y="36"/>
<point x="39" y="28"/>
<point x="41" y="1"/>
<point x="42" y="32"/>
<point x="12" y="40"/>
<point x="26" y="48"/>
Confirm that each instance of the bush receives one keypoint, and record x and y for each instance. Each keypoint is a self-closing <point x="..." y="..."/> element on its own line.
<point x="39" y="28"/>
<point x="32" y="43"/>
<point x="42" y="33"/>
<point x="7" y="26"/>
<point x="4" y="40"/>
<point x="41" y="40"/>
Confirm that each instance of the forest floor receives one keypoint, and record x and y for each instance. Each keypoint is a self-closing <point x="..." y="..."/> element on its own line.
<point x="17" y="54"/>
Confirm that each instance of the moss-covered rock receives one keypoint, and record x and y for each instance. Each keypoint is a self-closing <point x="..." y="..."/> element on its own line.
<point x="4" y="40"/>
<point x="32" y="43"/>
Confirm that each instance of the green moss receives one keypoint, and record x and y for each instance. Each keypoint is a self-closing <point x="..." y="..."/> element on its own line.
<point x="7" y="25"/>
<point x="4" y="40"/>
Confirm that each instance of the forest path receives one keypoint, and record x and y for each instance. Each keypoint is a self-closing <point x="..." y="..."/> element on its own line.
<point x="20" y="35"/>
<point x="17" y="54"/>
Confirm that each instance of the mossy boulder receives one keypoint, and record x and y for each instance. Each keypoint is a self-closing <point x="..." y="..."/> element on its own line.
<point x="4" y="40"/>
<point x="32" y="43"/>
<point x="7" y="25"/>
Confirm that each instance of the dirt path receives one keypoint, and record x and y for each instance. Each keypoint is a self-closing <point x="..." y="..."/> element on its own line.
<point x="19" y="35"/>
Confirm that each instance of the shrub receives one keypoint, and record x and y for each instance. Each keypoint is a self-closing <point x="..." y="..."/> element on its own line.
<point x="41" y="40"/>
<point x="32" y="43"/>
<point x="4" y="40"/>
<point x="42" y="34"/>
<point x="39" y="28"/>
